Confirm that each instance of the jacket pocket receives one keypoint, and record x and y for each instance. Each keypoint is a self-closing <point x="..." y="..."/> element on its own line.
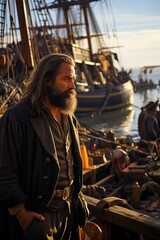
<point x="36" y="230"/>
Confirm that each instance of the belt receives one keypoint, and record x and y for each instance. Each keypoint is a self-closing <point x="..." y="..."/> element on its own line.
<point x="63" y="194"/>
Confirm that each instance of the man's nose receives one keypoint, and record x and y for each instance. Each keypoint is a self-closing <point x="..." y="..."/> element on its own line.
<point x="72" y="85"/>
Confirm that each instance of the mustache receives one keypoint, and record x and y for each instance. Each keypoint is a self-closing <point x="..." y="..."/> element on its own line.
<point x="69" y="92"/>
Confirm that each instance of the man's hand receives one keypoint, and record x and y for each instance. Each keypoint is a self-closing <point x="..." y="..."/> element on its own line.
<point x="25" y="217"/>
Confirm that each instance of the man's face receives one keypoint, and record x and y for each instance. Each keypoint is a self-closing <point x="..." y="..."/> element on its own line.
<point x="61" y="93"/>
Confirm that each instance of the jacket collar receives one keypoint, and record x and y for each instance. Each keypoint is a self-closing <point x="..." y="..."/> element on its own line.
<point x="43" y="130"/>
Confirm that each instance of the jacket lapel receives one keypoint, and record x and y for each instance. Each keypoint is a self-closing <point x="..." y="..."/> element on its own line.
<point x="45" y="135"/>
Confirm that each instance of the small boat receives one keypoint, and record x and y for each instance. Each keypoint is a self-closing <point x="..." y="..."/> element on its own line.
<point x="38" y="28"/>
<point x="144" y="80"/>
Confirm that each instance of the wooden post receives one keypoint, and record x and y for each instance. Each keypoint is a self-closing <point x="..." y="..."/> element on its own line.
<point x="26" y="41"/>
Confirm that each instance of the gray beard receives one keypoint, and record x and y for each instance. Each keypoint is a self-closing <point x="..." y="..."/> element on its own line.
<point x="65" y="101"/>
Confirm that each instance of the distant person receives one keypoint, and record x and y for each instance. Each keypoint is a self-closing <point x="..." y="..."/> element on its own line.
<point x="143" y="146"/>
<point x="139" y="154"/>
<point x="141" y="118"/>
<point x="148" y="124"/>
<point x="120" y="160"/>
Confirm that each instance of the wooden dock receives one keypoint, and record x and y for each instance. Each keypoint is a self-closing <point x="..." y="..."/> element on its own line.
<point x="113" y="211"/>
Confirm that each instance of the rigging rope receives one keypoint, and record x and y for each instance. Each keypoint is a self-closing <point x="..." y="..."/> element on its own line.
<point x="114" y="29"/>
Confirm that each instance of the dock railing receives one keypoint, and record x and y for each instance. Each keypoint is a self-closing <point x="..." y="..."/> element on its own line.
<point x="113" y="211"/>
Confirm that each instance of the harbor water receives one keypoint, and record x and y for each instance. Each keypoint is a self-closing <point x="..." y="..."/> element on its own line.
<point x="123" y="122"/>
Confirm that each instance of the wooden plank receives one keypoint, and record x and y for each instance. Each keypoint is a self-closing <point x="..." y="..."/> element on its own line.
<point x="125" y="218"/>
<point x="132" y="220"/>
<point x="104" y="180"/>
<point x="89" y="175"/>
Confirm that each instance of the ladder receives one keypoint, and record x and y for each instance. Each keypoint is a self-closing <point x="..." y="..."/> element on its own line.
<point x="2" y="20"/>
<point x="45" y="25"/>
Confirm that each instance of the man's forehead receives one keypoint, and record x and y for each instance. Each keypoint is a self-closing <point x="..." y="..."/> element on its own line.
<point x="71" y="73"/>
<point x="70" y="70"/>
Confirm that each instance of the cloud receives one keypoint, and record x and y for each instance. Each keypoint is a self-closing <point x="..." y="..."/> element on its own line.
<point x="141" y="47"/>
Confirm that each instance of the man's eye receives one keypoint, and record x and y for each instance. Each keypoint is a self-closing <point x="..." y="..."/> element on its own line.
<point x="68" y="79"/>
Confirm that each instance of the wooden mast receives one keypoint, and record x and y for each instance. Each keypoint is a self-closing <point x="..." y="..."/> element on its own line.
<point x="88" y="30"/>
<point x="65" y="5"/>
<point x="69" y="34"/>
<point x="23" y="24"/>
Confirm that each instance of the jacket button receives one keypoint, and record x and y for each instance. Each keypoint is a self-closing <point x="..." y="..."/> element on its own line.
<point x="39" y="197"/>
<point x="48" y="160"/>
<point x="45" y="177"/>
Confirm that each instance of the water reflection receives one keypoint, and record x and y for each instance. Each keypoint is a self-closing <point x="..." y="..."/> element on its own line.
<point x="119" y="121"/>
<point x="143" y="97"/>
<point x="123" y="122"/>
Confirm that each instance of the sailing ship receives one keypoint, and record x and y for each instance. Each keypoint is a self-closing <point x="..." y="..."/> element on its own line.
<point x="32" y="29"/>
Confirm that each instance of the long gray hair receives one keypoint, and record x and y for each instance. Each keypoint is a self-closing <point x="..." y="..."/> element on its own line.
<point x="45" y="71"/>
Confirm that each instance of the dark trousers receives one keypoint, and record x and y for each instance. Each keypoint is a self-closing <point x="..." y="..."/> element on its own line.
<point x="60" y="224"/>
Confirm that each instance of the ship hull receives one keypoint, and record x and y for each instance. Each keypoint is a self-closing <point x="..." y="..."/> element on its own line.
<point x="93" y="101"/>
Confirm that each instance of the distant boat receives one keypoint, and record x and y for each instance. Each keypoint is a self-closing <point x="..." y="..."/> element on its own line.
<point x="144" y="81"/>
<point x="101" y="86"/>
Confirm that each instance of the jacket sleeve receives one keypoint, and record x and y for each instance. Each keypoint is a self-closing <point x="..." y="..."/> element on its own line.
<point x="11" y="193"/>
<point x="152" y="128"/>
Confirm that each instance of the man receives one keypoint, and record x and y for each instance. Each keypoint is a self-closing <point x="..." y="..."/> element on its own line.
<point x="140" y="121"/>
<point x="120" y="160"/>
<point x="149" y="128"/>
<point x="40" y="160"/>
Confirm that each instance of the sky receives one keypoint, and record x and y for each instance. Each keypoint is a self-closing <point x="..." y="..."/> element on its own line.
<point x="138" y="30"/>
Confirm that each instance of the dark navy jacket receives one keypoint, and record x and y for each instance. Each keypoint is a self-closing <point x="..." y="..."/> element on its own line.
<point x="29" y="166"/>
